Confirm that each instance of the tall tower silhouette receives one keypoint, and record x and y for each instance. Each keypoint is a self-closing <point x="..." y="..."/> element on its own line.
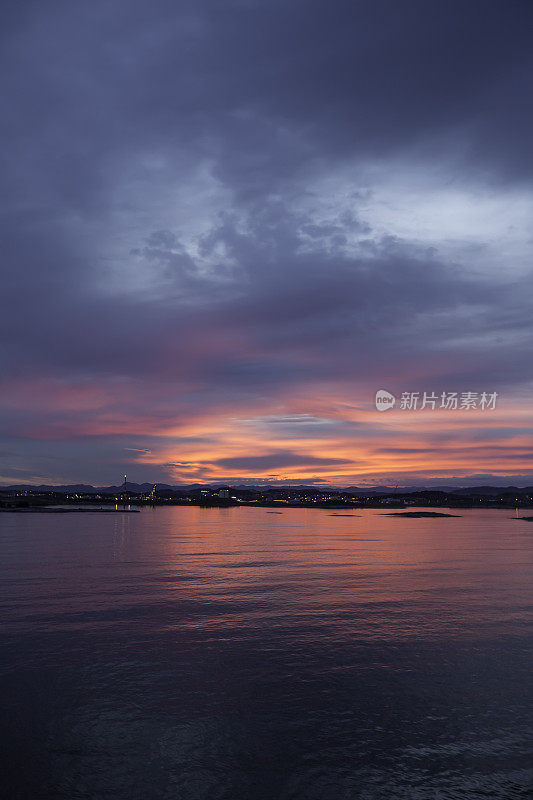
<point x="124" y="491"/>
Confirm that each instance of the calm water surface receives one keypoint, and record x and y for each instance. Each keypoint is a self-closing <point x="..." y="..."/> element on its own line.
<point x="238" y="654"/>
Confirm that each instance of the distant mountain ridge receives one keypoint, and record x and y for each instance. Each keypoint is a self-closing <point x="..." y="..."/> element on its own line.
<point x="83" y="488"/>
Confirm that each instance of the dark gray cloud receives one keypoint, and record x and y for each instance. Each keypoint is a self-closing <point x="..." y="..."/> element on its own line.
<point x="278" y="460"/>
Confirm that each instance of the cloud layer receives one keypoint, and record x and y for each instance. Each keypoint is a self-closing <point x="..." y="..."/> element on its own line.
<point x="227" y="225"/>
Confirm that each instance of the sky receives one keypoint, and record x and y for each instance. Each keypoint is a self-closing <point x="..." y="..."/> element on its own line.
<point x="227" y="224"/>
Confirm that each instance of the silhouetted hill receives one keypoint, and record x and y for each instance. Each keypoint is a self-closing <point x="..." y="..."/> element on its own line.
<point x="496" y="490"/>
<point x="141" y="488"/>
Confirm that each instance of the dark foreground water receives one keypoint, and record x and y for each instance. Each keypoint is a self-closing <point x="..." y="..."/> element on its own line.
<point x="239" y="654"/>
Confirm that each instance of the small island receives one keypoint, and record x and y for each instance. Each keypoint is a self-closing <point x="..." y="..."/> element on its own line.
<point x="420" y="514"/>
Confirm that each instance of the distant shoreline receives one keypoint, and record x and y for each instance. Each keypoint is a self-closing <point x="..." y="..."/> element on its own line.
<point x="46" y="510"/>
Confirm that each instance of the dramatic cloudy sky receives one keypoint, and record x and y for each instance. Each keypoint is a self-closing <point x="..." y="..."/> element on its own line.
<point x="227" y="223"/>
